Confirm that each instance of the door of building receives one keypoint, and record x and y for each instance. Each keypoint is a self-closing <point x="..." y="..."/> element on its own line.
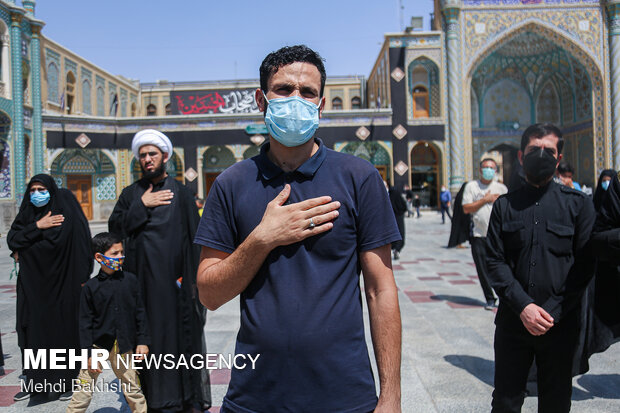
<point x="209" y="179"/>
<point x="382" y="171"/>
<point x="81" y="186"/>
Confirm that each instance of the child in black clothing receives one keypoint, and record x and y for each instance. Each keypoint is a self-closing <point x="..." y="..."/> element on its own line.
<point x="112" y="317"/>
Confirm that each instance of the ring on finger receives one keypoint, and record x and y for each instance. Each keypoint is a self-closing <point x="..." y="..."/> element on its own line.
<point x="312" y="224"/>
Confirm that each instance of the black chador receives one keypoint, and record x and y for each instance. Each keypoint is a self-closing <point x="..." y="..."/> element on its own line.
<point x="53" y="264"/>
<point x="159" y="249"/>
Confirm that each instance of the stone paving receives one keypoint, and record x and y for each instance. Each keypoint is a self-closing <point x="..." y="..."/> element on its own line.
<point x="447" y="338"/>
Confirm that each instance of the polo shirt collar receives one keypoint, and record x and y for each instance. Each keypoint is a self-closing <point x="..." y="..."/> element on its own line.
<point x="269" y="170"/>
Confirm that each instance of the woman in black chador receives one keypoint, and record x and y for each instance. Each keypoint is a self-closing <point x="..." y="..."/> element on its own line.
<point x="52" y="240"/>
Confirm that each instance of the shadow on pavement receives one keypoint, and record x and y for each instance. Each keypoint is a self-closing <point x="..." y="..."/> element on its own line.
<point x="602" y="386"/>
<point x="478" y="367"/>
<point x="457" y="299"/>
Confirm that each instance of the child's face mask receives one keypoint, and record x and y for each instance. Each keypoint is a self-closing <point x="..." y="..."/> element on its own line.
<point x="115" y="264"/>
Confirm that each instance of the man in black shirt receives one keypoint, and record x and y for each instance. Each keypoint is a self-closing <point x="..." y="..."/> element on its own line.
<point x="539" y="268"/>
<point x="112" y="317"/>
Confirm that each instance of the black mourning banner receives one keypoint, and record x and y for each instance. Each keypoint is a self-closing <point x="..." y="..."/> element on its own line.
<point x="192" y="102"/>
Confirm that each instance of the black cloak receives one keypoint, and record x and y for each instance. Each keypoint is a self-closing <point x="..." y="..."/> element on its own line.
<point x="53" y="265"/>
<point x="159" y="249"/>
<point x="602" y="298"/>
<point x="599" y="193"/>
<point x="460" y="230"/>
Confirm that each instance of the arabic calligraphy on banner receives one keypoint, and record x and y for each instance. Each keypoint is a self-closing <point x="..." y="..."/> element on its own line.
<point x="213" y="101"/>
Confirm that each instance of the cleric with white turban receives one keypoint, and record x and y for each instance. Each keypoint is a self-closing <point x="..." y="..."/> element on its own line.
<point x="151" y="137"/>
<point x="157" y="217"/>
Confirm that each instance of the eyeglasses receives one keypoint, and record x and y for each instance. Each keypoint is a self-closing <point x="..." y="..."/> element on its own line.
<point x="150" y="155"/>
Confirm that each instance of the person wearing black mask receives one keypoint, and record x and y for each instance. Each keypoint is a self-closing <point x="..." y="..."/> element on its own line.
<point x="539" y="267"/>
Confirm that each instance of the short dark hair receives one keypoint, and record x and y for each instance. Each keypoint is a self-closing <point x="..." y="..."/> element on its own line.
<point x="538" y="130"/>
<point x="565" y="167"/>
<point x="286" y="56"/>
<point x="488" y="160"/>
<point x="104" y="241"/>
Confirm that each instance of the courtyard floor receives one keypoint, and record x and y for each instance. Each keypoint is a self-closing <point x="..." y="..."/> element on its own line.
<point x="447" y="361"/>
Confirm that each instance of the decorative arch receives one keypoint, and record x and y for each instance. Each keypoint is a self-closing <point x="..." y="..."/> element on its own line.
<point x="70" y="80"/>
<point x="578" y="53"/>
<point x="217" y="158"/>
<point x="86" y="103"/>
<point x="100" y="101"/>
<point x="82" y="161"/>
<point x="151" y="110"/>
<point x="52" y="82"/>
<point x="506" y="101"/>
<point x="423" y="87"/>
<point x="548" y="104"/>
<point x="251" y="151"/>
<point x="426" y="172"/>
<point x="373" y="152"/>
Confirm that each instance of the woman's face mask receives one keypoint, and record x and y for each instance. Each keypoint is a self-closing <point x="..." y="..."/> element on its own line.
<point x="39" y="198"/>
<point x="605" y="184"/>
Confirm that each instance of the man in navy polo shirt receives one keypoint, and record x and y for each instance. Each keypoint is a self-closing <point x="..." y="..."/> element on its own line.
<point x="290" y="230"/>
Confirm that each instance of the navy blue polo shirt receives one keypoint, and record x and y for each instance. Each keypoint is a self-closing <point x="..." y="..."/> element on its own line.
<point x="302" y="312"/>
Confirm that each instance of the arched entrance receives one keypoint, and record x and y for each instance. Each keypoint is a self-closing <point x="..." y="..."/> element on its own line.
<point x="505" y="156"/>
<point x="214" y="161"/>
<point x="423" y="88"/>
<point x="251" y="152"/>
<point x="426" y="173"/>
<point x="89" y="174"/>
<point x="374" y="153"/>
<point x="535" y="74"/>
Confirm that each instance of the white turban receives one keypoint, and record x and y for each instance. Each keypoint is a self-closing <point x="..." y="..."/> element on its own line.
<point x="151" y="137"/>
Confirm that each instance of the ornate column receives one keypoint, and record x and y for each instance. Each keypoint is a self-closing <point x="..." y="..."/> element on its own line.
<point x="19" y="163"/>
<point x="450" y="10"/>
<point x="6" y="71"/>
<point x="613" y="12"/>
<point x="37" y="130"/>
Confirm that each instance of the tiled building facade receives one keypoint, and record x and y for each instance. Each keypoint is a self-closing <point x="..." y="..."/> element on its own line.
<point x="433" y="105"/>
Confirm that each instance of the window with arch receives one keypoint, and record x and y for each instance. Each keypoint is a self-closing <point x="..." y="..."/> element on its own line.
<point x="151" y="110"/>
<point x="168" y="110"/>
<point x="356" y="102"/>
<point x="420" y="102"/>
<point x="336" y="103"/>
<point x="86" y="104"/>
<point x="52" y="82"/>
<point x="100" y="101"/>
<point x="70" y="91"/>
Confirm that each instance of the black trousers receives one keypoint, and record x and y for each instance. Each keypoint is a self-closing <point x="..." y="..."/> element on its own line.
<point x="479" y="253"/>
<point x="516" y="348"/>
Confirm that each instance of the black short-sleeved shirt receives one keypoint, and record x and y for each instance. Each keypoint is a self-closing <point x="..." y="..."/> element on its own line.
<point x="302" y="312"/>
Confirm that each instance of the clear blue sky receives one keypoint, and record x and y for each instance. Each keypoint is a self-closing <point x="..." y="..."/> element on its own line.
<point x="221" y="39"/>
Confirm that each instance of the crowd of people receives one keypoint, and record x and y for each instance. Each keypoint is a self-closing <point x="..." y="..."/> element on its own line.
<point x="290" y="231"/>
